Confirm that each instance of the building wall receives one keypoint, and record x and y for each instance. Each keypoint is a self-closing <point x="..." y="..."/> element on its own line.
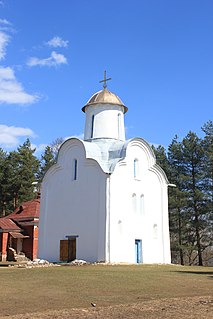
<point x="27" y="245"/>
<point x="77" y="210"/>
<point x="4" y="245"/>
<point x="35" y="242"/>
<point x="138" y="208"/>
<point x="108" y="212"/>
<point x="104" y="121"/>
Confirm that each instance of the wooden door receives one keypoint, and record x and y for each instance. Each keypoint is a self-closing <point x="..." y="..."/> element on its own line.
<point x="64" y="250"/>
<point x="71" y="249"/>
<point x="68" y="250"/>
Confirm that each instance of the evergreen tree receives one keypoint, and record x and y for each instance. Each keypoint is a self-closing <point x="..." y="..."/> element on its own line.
<point x="11" y="184"/>
<point x="28" y="170"/>
<point x="193" y="164"/>
<point x="3" y="156"/>
<point x="47" y="160"/>
<point x="208" y="176"/>
<point x="208" y="168"/>
<point x="161" y="158"/>
<point x="177" y="202"/>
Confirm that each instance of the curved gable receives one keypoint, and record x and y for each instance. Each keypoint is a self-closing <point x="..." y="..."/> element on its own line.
<point x="149" y="154"/>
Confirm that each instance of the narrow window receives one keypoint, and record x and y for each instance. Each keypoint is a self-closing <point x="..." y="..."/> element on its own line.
<point x="142" y="204"/>
<point x="134" y="203"/>
<point x="92" y="125"/>
<point x="135" y="168"/>
<point x="119" y="124"/>
<point x="75" y="169"/>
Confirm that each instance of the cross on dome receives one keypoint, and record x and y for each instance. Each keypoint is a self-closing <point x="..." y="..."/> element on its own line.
<point x="105" y="80"/>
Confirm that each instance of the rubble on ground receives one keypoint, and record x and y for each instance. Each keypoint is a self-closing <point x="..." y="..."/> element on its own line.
<point x="14" y="256"/>
<point x="34" y="263"/>
<point x="76" y="262"/>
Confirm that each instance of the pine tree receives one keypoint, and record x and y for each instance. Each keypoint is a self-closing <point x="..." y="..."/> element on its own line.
<point x="3" y="156"/>
<point x="193" y="163"/>
<point x="208" y="148"/>
<point x="208" y="177"/>
<point x="177" y="202"/>
<point x="27" y="171"/>
<point x="161" y="158"/>
<point x="47" y="160"/>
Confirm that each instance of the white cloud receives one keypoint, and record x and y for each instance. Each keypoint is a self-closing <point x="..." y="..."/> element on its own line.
<point x="57" y="42"/>
<point x="4" y="40"/>
<point x="11" y="91"/>
<point x="39" y="148"/>
<point x="55" y="59"/>
<point x="4" y="21"/>
<point x="9" y="135"/>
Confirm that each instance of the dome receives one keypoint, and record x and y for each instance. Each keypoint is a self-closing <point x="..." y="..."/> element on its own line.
<point x="105" y="97"/>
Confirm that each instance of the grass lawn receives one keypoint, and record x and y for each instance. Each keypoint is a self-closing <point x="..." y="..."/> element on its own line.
<point x="57" y="288"/>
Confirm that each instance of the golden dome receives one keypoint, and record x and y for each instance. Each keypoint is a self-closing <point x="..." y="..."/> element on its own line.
<point x="105" y="97"/>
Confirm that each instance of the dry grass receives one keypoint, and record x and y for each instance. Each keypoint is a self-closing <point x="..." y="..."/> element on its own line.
<point x="119" y="291"/>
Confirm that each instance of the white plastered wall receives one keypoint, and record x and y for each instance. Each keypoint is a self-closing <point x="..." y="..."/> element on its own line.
<point x="127" y="222"/>
<point x="108" y="122"/>
<point x="77" y="210"/>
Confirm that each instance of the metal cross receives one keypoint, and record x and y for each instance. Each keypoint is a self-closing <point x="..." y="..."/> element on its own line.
<point x="105" y="80"/>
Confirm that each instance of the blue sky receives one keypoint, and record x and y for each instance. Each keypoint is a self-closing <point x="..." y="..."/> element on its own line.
<point x="53" y="53"/>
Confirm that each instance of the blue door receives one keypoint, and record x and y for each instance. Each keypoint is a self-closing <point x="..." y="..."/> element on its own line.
<point x="138" y="251"/>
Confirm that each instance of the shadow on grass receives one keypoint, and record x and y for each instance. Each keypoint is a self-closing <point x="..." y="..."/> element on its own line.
<point x="207" y="273"/>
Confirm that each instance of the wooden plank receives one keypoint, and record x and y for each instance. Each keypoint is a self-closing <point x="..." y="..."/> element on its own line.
<point x="64" y="250"/>
<point x="72" y="249"/>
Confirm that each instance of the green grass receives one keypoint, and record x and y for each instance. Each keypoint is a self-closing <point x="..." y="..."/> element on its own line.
<point x="55" y="288"/>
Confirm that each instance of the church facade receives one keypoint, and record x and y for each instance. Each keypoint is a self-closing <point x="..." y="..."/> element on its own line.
<point x="105" y="200"/>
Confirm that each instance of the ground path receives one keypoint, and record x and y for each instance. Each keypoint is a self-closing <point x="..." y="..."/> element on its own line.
<point x="181" y="308"/>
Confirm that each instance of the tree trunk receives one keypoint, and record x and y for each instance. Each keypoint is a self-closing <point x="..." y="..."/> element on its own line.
<point x="180" y="237"/>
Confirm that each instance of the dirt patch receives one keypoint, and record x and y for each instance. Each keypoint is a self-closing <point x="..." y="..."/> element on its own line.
<point x="190" y="308"/>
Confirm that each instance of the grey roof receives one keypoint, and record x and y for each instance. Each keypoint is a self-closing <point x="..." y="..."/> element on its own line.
<point x="107" y="152"/>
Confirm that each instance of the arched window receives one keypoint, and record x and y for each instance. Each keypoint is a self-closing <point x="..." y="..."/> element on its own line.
<point x="136" y="168"/>
<point x="75" y="169"/>
<point x="142" y="204"/>
<point x="119" y="125"/>
<point x="92" y="125"/>
<point x="134" y="203"/>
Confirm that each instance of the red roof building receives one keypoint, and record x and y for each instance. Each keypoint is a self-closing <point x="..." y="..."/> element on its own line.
<point x="19" y="230"/>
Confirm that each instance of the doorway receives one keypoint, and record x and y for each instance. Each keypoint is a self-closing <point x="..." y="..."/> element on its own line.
<point x="68" y="249"/>
<point x="138" y="251"/>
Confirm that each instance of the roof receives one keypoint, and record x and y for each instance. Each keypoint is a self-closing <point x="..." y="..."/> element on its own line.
<point x="7" y="224"/>
<point x="105" y="97"/>
<point x="18" y="235"/>
<point x="30" y="209"/>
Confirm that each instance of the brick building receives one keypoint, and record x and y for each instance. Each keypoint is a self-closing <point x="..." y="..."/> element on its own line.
<point x="19" y="230"/>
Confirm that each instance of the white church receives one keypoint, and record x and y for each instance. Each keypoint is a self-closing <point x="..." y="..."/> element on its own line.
<point x="105" y="200"/>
